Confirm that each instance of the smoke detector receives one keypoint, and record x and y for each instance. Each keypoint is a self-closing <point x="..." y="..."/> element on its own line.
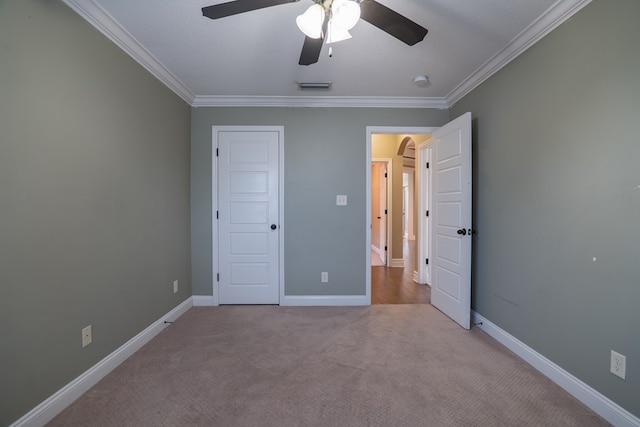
<point x="421" y="81"/>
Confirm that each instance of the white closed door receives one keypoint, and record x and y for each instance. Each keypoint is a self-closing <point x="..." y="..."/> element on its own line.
<point x="451" y="196"/>
<point x="248" y="227"/>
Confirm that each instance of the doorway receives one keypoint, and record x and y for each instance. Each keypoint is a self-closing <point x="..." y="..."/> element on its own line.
<point x="450" y="215"/>
<point x="396" y="281"/>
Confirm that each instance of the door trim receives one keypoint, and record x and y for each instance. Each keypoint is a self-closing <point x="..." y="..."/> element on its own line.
<point x="423" y="155"/>
<point x="371" y="130"/>
<point x="214" y="202"/>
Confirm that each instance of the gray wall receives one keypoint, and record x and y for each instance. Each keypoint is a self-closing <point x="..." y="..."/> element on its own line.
<point x="324" y="155"/>
<point x="557" y="183"/>
<point x="94" y="200"/>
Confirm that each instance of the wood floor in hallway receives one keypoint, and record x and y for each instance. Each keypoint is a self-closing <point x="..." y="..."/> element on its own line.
<point x="395" y="285"/>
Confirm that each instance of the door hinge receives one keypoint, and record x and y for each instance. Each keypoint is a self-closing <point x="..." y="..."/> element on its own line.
<point x="217" y="152"/>
<point x="385" y="174"/>
<point x="217" y="214"/>
<point x="385" y="248"/>
<point x="427" y="261"/>
<point x="427" y="213"/>
<point x="218" y="277"/>
<point x="427" y="165"/>
<point x="385" y="212"/>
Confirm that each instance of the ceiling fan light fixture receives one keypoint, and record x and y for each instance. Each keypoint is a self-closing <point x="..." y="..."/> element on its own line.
<point x="336" y="33"/>
<point x="345" y="13"/>
<point x="337" y="17"/>
<point x="310" y="22"/>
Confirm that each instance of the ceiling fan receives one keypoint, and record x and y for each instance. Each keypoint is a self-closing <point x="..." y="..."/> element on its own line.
<point x="330" y="20"/>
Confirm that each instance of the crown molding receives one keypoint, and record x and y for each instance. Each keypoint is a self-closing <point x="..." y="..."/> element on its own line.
<point x="110" y="28"/>
<point x="319" y="101"/>
<point x="557" y="14"/>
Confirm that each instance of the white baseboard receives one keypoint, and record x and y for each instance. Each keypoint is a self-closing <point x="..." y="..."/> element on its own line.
<point x="56" y="403"/>
<point x="298" y="300"/>
<point x="397" y="262"/>
<point x="600" y="404"/>
<point x="416" y="278"/>
<point x="325" y="300"/>
<point x="204" y="301"/>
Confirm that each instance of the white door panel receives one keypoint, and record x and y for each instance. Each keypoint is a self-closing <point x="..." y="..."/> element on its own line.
<point x="248" y="152"/>
<point x="249" y="273"/>
<point x="449" y="250"/>
<point x="248" y="217"/>
<point x="449" y="151"/>
<point x="451" y="184"/>
<point x="450" y="283"/>
<point x="249" y="243"/>
<point x="449" y="181"/>
<point x="249" y="183"/>
<point x="450" y="214"/>
<point x="248" y="213"/>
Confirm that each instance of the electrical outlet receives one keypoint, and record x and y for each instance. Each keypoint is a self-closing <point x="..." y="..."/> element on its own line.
<point x="618" y="364"/>
<point x="175" y="286"/>
<point x="86" y="336"/>
<point x="324" y="277"/>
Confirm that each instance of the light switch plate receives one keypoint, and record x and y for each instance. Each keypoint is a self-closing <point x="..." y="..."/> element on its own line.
<point x="341" y="200"/>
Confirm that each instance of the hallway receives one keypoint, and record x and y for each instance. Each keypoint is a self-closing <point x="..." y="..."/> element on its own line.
<point x="394" y="285"/>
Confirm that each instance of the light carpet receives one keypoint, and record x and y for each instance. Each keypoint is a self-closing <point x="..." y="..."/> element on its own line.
<point x="383" y="365"/>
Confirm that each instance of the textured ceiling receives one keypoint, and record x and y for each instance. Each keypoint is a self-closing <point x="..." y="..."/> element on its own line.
<point x="255" y="54"/>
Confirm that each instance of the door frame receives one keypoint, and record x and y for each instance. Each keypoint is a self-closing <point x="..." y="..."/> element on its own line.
<point x="372" y="130"/>
<point x="423" y="179"/>
<point x="215" y="205"/>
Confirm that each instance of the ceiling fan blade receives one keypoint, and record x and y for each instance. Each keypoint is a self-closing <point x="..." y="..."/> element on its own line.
<point x="310" y="51"/>
<point x="312" y="47"/>
<point x="392" y="22"/>
<point x="239" y="6"/>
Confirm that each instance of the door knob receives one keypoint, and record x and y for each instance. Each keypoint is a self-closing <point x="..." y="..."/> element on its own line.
<point x="273" y="226"/>
<point x="462" y="231"/>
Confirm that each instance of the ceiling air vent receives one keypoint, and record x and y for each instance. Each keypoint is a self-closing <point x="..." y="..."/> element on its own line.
<point x="314" y="85"/>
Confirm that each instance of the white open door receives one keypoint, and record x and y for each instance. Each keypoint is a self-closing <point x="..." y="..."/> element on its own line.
<point x="382" y="213"/>
<point x="423" y="172"/>
<point x="380" y="207"/>
<point x="451" y="196"/>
